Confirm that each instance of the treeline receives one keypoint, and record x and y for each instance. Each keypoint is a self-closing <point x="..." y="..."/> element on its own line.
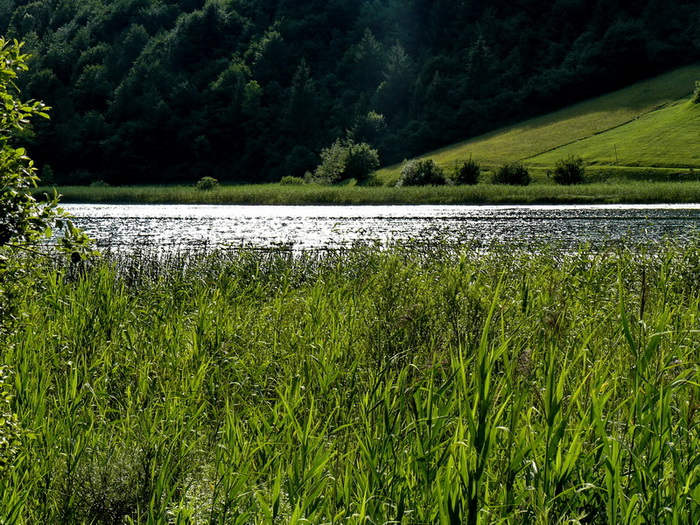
<point x="245" y="90"/>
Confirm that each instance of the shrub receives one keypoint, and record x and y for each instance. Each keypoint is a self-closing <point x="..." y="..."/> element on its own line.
<point x="332" y="164"/>
<point x="207" y="184"/>
<point x="99" y="184"/>
<point x="289" y="180"/>
<point x="467" y="172"/>
<point x="360" y="160"/>
<point x="512" y="173"/>
<point x="345" y="160"/>
<point x="569" y="171"/>
<point x="696" y="93"/>
<point x="420" y="172"/>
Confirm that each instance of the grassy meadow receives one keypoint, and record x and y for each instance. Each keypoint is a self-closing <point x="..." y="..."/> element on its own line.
<point x="411" y="384"/>
<point x="649" y="124"/>
<point x="668" y="137"/>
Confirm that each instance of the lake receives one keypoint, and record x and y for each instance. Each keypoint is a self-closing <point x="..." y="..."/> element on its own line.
<point x="313" y="227"/>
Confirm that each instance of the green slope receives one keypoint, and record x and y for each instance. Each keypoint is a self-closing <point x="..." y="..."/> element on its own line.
<point x="650" y="124"/>
<point x="668" y="137"/>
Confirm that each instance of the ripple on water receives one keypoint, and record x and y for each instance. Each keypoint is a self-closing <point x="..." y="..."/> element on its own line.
<point x="310" y="227"/>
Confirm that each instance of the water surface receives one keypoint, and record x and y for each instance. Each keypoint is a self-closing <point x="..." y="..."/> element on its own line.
<point x="304" y="227"/>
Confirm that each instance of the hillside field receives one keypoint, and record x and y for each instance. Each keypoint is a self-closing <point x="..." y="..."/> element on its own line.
<point x="648" y="130"/>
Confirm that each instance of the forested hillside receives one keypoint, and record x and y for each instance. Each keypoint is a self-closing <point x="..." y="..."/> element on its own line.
<point x="246" y="90"/>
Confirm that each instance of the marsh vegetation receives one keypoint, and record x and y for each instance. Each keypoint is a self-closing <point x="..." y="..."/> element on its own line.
<point x="651" y="186"/>
<point x="411" y="384"/>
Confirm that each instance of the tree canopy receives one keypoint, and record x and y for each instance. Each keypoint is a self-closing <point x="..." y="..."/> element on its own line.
<point x="242" y="90"/>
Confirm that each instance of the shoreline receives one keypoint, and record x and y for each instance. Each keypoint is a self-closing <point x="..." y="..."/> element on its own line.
<point x="623" y="192"/>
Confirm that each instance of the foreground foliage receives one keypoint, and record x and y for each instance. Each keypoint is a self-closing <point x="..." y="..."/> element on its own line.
<point x="411" y="385"/>
<point x="23" y="220"/>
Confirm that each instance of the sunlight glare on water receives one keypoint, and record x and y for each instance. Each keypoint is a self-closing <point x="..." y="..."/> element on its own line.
<point x="308" y="227"/>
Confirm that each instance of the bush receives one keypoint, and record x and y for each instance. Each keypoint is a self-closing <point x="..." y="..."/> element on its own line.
<point x="512" y="173"/>
<point x="360" y="160"/>
<point x="696" y="93"/>
<point x="467" y="172"/>
<point x="421" y="172"/>
<point x="345" y="160"/>
<point x="207" y="184"/>
<point x="99" y="184"/>
<point x="569" y="171"/>
<point x="289" y="180"/>
<point x="332" y="164"/>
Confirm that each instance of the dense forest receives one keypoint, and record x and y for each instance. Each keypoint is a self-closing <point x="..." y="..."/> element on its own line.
<point x="252" y="90"/>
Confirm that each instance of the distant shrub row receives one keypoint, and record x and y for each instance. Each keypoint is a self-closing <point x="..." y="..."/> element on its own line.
<point x="421" y="172"/>
<point x="348" y="159"/>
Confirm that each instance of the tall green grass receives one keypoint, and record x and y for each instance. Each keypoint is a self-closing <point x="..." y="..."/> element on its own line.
<point x="433" y="384"/>
<point x="631" y="186"/>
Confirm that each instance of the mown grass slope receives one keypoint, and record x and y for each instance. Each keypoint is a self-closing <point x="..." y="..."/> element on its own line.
<point x="667" y="138"/>
<point x="650" y="124"/>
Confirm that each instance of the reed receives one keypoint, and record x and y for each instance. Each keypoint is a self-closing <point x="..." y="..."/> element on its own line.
<point x="410" y="384"/>
<point x="629" y="186"/>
